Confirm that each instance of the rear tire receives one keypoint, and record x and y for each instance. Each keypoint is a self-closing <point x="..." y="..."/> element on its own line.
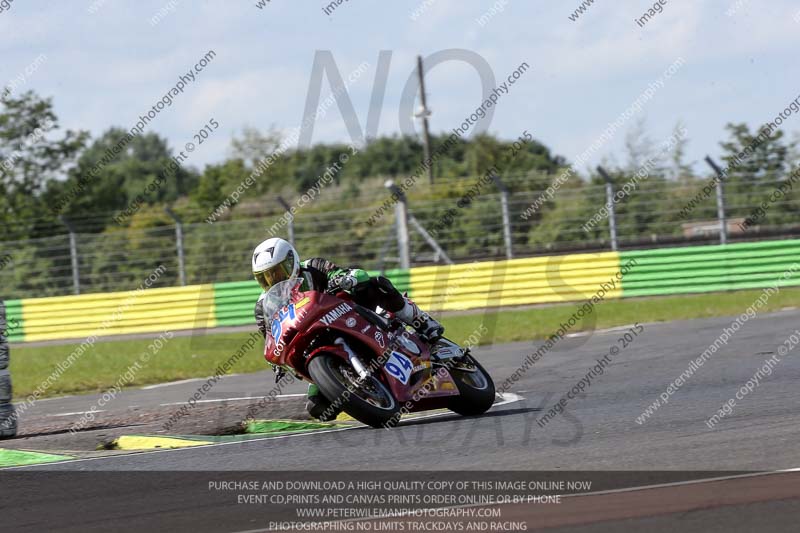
<point x="336" y="380"/>
<point x="476" y="390"/>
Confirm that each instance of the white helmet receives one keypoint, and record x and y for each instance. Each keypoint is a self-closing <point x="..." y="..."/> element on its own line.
<point x="275" y="260"/>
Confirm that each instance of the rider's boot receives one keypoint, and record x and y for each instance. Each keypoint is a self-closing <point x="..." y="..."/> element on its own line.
<point x="318" y="406"/>
<point x="421" y="321"/>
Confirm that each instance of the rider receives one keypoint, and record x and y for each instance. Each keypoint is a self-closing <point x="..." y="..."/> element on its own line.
<point x="275" y="260"/>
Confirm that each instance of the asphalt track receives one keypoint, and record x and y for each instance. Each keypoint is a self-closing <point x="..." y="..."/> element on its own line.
<point x="597" y="432"/>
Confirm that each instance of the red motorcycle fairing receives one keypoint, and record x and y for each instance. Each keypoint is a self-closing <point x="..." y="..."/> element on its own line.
<point x="406" y="367"/>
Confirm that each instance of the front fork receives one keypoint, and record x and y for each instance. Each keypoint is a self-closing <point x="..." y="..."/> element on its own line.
<point x="355" y="362"/>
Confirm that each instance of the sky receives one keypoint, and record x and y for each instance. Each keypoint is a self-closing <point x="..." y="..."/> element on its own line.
<point x="106" y="62"/>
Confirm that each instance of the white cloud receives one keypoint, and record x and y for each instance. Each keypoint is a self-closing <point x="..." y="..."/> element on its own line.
<point x="105" y="69"/>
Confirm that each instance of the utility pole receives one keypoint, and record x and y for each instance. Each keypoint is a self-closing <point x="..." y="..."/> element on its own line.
<point x="424" y="113"/>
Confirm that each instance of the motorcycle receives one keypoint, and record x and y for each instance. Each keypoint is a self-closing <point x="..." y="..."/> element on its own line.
<point x="367" y="364"/>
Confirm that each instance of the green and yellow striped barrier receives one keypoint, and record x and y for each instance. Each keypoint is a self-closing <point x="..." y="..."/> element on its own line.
<point x="685" y="270"/>
<point x="525" y="281"/>
<point x="513" y="282"/>
<point x="98" y="315"/>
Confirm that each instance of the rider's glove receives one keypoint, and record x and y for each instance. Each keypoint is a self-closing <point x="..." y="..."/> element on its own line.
<point x="343" y="282"/>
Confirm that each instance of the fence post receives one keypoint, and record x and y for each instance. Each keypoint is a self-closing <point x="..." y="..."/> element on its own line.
<point x="73" y="253"/>
<point x="385" y="249"/>
<point x="506" y="216"/>
<point x="178" y="246"/>
<point x="723" y="224"/>
<point x="401" y="214"/>
<point x="612" y="215"/>
<point x="430" y="240"/>
<point x="290" y="219"/>
<point x="8" y="419"/>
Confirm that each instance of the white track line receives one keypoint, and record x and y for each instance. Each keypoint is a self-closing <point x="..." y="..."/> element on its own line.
<point x="191" y="380"/>
<point x="592" y="332"/>
<point x="681" y="483"/>
<point x="159" y="385"/>
<point x="506" y="399"/>
<point x="237" y="399"/>
<point x="77" y="413"/>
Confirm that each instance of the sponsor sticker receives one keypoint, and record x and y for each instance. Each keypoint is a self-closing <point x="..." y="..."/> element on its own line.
<point x="379" y="339"/>
<point x="422" y="366"/>
<point x="281" y="316"/>
<point x="337" y="312"/>
<point x="351" y="322"/>
<point x="408" y="344"/>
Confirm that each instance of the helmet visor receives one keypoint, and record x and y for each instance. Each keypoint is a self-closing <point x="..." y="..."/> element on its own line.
<point x="280" y="272"/>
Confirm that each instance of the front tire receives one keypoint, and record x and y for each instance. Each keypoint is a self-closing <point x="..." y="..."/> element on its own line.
<point x="476" y="390"/>
<point x="368" y="401"/>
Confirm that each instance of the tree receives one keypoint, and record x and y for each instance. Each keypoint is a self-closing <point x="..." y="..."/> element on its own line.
<point x="679" y="169"/>
<point x="143" y="172"/>
<point x="752" y="178"/>
<point x="217" y="182"/>
<point x="254" y="146"/>
<point x="31" y="157"/>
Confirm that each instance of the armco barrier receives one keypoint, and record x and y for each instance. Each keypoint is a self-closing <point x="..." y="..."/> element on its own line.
<point x="438" y="288"/>
<point x="710" y="268"/>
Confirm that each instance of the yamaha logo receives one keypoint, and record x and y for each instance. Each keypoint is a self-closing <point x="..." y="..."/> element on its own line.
<point x="340" y="310"/>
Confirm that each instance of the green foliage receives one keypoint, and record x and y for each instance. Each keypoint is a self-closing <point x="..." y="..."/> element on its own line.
<point x="118" y="254"/>
<point x="31" y="156"/>
<point x="118" y="184"/>
<point x="750" y="178"/>
<point x="216" y="182"/>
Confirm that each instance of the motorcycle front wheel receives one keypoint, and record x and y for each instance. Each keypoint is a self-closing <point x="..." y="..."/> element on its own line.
<point x="475" y="387"/>
<point x="367" y="400"/>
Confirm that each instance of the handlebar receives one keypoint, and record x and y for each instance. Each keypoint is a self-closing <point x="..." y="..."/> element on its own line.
<point x="334" y="291"/>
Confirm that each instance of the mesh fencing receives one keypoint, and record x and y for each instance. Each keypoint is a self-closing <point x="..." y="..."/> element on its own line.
<point x="118" y="258"/>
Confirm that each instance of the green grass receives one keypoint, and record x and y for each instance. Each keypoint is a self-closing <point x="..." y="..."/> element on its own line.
<point x="541" y="322"/>
<point x="100" y="367"/>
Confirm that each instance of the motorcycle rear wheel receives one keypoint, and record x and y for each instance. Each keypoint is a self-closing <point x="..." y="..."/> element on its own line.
<point x="368" y="401"/>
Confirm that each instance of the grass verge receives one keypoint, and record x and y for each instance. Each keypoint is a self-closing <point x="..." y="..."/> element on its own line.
<point x="108" y="363"/>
